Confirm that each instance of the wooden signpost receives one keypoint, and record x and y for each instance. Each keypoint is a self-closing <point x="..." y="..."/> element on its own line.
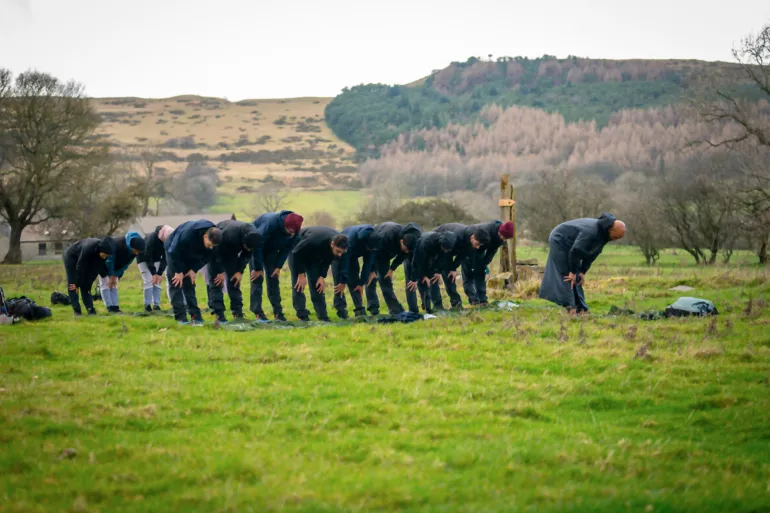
<point x="507" y="205"/>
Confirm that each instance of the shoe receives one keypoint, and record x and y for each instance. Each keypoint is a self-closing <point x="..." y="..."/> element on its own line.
<point x="148" y="308"/>
<point x="117" y="310"/>
<point x="374" y="313"/>
<point x="183" y="323"/>
<point x="304" y="319"/>
<point x="91" y="311"/>
<point x="156" y="308"/>
<point x="220" y="317"/>
<point x="261" y="316"/>
<point x="238" y="318"/>
<point x="78" y="314"/>
<point x="342" y="315"/>
<point x="196" y="322"/>
<point x="280" y="317"/>
<point x="325" y="319"/>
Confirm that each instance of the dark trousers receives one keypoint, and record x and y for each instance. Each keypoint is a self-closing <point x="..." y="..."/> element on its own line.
<point x="474" y="283"/>
<point x="341" y="305"/>
<point x="178" y="296"/>
<point x="85" y="290"/>
<point x="273" y="289"/>
<point x="381" y="267"/>
<point x="217" y="298"/>
<point x="411" y="295"/>
<point x="451" y="289"/>
<point x="298" y="300"/>
<point x="430" y="296"/>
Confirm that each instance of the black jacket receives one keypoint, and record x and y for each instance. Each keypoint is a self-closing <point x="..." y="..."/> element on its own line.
<point x="314" y="249"/>
<point x="231" y="256"/>
<point x="427" y="257"/>
<point x="463" y="249"/>
<point x="153" y="252"/>
<point x="83" y="257"/>
<point x="584" y="239"/>
<point x="357" y="248"/>
<point x="185" y="250"/>
<point x="486" y="253"/>
<point x="391" y="235"/>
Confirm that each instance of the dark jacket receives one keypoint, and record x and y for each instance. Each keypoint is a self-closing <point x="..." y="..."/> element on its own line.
<point x="185" y="250"/>
<point x="153" y="252"/>
<point x="583" y="239"/>
<point x="83" y="257"/>
<point x="427" y="257"/>
<point x="463" y="249"/>
<point x="485" y="254"/>
<point x="275" y="238"/>
<point x="231" y="256"/>
<point x="117" y="263"/>
<point x="314" y="248"/>
<point x="391" y="235"/>
<point x="357" y="248"/>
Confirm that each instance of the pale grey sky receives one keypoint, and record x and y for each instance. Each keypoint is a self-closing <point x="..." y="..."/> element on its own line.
<point x="271" y="49"/>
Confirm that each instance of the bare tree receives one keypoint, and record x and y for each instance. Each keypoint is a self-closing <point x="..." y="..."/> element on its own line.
<point x="152" y="179"/>
<point x="639" y="205"/>
<point x="269" y="198"/>
<point x="45" y="127"/>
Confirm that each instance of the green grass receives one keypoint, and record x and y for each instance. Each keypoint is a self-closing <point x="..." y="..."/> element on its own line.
<point x="489" y="411"/>
<point x="339" y="204"/>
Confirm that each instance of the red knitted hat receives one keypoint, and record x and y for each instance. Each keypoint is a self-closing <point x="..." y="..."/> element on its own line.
<point x="293" y="222"/>
<point x="506" y="230"/>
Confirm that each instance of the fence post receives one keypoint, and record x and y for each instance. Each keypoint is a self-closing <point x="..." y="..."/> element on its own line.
<point x="507" y="205"/>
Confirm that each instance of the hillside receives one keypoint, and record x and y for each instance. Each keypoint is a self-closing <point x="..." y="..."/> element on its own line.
<point x="368" y="116"/>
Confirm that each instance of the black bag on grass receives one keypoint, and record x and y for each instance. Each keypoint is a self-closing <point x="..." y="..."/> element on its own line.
<point x="57" y="298"/>
<point x="25" y="308"/>
<point x="687" y="306"/>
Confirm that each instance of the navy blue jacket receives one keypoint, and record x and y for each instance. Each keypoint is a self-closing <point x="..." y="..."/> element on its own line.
<point x="357" y="247"/>
<point x="275" y="239"/>
<point x="391" y="235"/>
<point x="231" y="256"/>
<point x="185" y="250"/>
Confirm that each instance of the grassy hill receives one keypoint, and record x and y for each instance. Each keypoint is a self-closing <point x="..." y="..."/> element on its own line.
<point x="246" y="140"/>
<point x="368" y="116"/>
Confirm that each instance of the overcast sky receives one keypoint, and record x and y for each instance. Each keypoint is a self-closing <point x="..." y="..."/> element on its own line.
<point x="285" y="48"/>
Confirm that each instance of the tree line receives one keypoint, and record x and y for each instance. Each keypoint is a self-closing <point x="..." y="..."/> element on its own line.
<point x="696" y="176"/>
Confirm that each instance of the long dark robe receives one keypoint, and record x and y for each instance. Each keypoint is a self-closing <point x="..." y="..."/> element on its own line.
<point x="573" y="247"/>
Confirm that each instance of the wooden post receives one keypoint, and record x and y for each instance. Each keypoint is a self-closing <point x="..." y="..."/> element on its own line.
<point x="507" y="205"/>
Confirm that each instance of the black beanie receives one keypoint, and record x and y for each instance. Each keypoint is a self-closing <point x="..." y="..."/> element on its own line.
<point x="137" y="243"/>
<point x="251" y="240"/>
<point x="374" y="241"/>
<point x="447" y="240"/>
<point x="107" y="246"/>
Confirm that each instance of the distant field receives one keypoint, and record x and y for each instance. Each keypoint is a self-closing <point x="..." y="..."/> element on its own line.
<point x="246" y="141"/>
<point x="342" y="205"/>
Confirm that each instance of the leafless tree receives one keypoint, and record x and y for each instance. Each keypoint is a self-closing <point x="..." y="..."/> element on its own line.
<point x="45" y="126"/>
<point x="269" y="198"/>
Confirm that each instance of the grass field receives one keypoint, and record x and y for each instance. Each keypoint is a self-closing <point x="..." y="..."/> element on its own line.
<point x="489" y="411"/>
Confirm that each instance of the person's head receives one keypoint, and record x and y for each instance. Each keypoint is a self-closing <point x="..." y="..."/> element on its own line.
<point x="339" y="245"/>
<point x="479" y="238"/>
<point x="408" y="243"/>
<point x="137" y="245"/>
<point x="617" y="230"/>
<point x="164" y="232"/>
<point x="293" y="223"/>
<point x="212" y="237"/>
<point x="106" y="247"/>
<point x="251" y="241"/>
<point x="447" y="241"/>
<point x="507" y="230"/>
<point x="374" y="241"/>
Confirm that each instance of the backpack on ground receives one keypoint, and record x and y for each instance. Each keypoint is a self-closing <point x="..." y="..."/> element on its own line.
<point x="26" y="308"/>
<point x="688" y="306"/>
<point x="57" y="298"/>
